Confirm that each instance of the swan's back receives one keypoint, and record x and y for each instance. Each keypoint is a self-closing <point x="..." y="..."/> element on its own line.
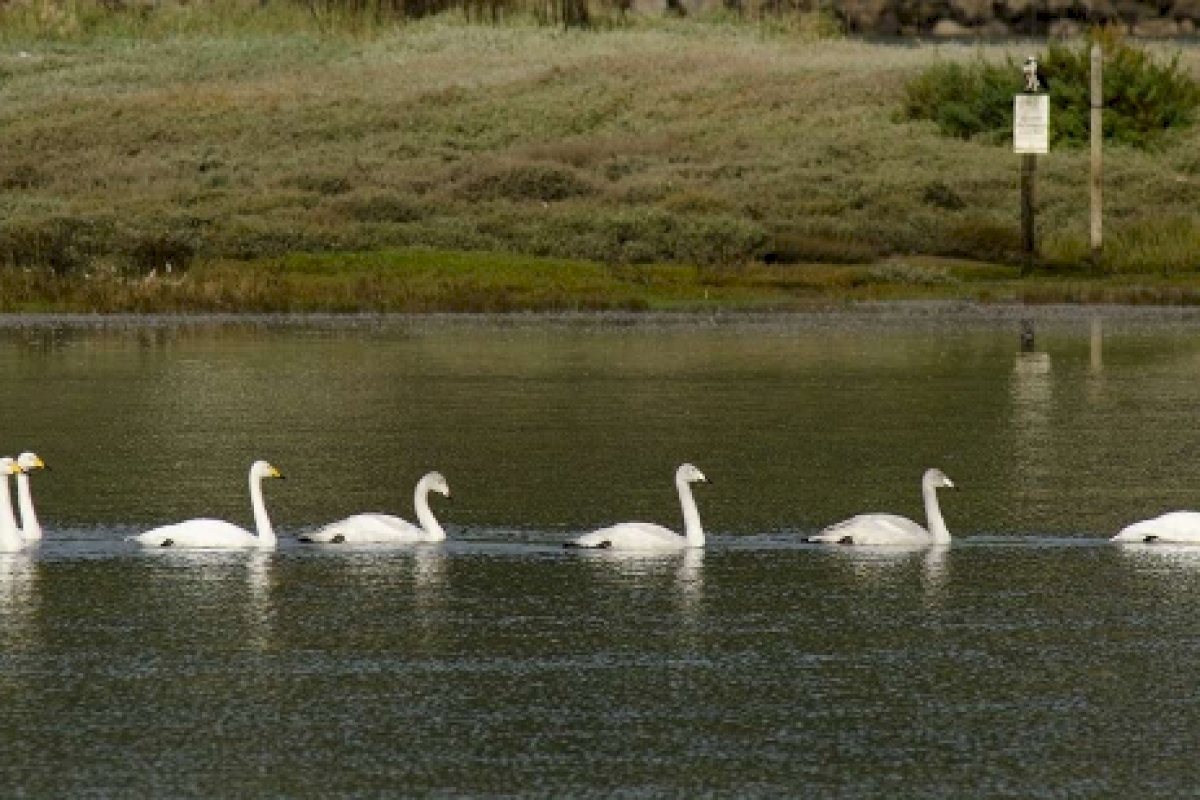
<point x="1178" y="526"/>
<point x="370" y="528"/>
<point x="874" y="529"/>
<point x="632" y="536"/>
<point x="198" y="533"/>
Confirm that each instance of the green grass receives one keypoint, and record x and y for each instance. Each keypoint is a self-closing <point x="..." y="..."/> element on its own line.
<point x="419" y="280"/>
<point x="235" y="141"/>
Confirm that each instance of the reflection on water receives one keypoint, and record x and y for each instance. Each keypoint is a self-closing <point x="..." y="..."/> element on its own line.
<point x="935" y="574"/>
<point x="260" y="611"/>
<point x="1165" y="569"/>
<point x="17" y="580"/>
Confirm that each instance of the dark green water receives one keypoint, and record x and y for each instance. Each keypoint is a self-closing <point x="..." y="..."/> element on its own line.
<point x="1030" y="659"/>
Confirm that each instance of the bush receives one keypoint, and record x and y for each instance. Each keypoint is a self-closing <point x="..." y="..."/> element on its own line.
<point x="525" y="182"/>
<point x="166" y="252"/>
<point x="1143" y="97"/>
<point x="796" y="247"/>
<point x="63" y="245"/>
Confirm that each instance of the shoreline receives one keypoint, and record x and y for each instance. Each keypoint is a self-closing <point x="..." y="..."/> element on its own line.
<point x="900" y="314"/>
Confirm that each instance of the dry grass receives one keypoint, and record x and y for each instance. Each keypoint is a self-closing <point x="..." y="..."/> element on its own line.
<point x="712" y="145"/>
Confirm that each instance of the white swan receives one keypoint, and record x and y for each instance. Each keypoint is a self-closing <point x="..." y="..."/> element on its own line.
<point x="386" y="529"/>
<point x="1177" y="527"/>
<point x="214" y="532"/>
<point x="890" y="529"/>
<point x="31" y="529"/>
<point x="10" y="536"/>
<point x="648" y="536"/>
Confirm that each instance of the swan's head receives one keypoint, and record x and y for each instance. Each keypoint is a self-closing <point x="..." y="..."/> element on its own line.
<point x="689" y="474"/>
<point x="9" y="466"/>
<point x="436" y="482"/>
<point x="29" y="462"/>
<point x="937" y="479"/>
<point x="263" y="469"/>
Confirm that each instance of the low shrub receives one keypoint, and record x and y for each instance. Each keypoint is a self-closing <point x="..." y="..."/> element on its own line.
<point x="546" y="183"/>
<point x="63" y="245"/>
<point x="795" y="247"/>
<point x="382" y="208"/>
<point x="165" y="252"/>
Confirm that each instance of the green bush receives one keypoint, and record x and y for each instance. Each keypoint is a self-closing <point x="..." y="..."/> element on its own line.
<point x="1144" y="97"/>
<point x="64" y="245"/>
<point x="547" y="183"/>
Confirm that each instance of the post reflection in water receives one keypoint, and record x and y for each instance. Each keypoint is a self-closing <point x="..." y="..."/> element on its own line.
<point x="1032" y="395"/>
<point x="1096" y="361"/>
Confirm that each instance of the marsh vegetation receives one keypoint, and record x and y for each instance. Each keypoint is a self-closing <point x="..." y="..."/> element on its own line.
<point x="222" y="142"/>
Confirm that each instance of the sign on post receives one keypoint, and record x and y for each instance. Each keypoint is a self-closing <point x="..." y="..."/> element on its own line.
<point x="1031" y="124"/>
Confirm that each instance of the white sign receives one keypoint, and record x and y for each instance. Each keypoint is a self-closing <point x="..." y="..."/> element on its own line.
<point x="1031" y="124"/>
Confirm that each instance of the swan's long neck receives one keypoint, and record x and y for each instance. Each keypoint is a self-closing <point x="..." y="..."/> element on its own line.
<point x="692" y="532"/>
<point x="933" y="515"/>
<point x="30" y="527"/>
<point x="10" y="537"/>
<point x="425" y="516"/>
<point x="262" y="523"/>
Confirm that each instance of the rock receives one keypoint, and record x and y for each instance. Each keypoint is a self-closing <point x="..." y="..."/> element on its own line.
<point x="1133" y="11"/>
<point x="1186" y="9"/>
<point x="949" y="28"/>
<point x="1064" y="29"/>
<point x="864" y="15"/>
<point x="1157" y="28"/>
<point x="971" y="12"/>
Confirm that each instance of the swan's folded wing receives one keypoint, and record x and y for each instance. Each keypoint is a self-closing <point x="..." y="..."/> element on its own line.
<point x="1178" y="527"/>
<point x="878" y="529"/>
<point x="632" y="536"/>
<point x="370" y="528"/>
<point x="198" y="533"/>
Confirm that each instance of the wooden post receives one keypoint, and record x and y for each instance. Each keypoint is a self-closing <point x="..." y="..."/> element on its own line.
<point x="1028" y="234"/>
<point x="1097" y="135"/>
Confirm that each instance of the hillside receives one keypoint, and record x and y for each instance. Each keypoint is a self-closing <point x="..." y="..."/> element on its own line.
<point x="705" y="144"/>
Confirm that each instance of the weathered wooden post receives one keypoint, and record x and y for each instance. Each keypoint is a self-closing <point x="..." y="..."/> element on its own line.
<point x="1031" y="138"/>
<point x="1097" y="135"/>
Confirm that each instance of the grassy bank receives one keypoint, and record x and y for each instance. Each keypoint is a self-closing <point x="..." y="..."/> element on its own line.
<point x="419" y="280"/>
<point x="764" y="162"/>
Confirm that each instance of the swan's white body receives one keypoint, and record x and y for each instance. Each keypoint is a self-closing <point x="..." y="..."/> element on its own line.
<point x="890" y="529"/>
<point x="31" y="529"/>
<point x="647" y="535"/>
<point x="215" y="532"/>
<point x="1178" y="527"/>
<point x="386" y="529"/>
<point x="10" y="536"/>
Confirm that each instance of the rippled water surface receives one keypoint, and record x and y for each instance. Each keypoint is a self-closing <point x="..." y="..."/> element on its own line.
<point x="1030" y="658"/>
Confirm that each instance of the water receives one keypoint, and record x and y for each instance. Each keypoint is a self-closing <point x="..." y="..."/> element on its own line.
<point x="1031" y="659"/>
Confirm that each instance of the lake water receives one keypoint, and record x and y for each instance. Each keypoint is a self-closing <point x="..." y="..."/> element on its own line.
<point x="1029" y="659"/>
